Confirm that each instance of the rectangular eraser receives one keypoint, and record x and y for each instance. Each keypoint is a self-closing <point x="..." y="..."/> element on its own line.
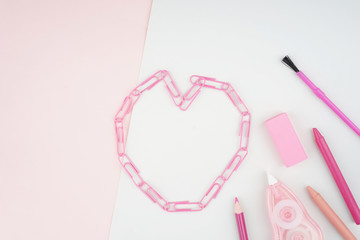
<point x="286" y="140"/>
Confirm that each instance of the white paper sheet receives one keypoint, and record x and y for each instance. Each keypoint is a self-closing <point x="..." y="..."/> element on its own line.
<point x="241" y="42"/>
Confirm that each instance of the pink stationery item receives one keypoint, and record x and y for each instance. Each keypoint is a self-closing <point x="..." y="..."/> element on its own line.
<point x="240" y="221"/>
<point x="288" y="216"/>
<point x="320" y="94"/>
<point x="337" y="175"/>
<point x="286" y="140"/>
<point x="331" y="215"/>
<point x="183" y="102"/>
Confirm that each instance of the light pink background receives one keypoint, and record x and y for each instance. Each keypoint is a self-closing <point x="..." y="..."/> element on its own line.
<point x="65" y="67"/>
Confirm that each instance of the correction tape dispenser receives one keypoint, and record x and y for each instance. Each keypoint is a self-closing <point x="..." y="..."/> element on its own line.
<point x="288" y="216"/>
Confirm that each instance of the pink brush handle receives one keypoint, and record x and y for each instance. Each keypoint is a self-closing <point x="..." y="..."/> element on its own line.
<point x="328" y="102"/>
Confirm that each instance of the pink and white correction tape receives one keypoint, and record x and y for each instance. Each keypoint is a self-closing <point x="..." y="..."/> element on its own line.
<point x="288" y="216"/>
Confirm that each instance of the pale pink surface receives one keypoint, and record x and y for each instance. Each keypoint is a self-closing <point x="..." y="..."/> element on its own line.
<point x="65" y="67"/>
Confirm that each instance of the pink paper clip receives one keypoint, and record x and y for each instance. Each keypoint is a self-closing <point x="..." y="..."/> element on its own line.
<point x="172" y="88"/>
<point x="183" y="102"/>
<point x="150" y="82"/>
<point x="183" y="206"/>
<point x="213" y="191"/>
<point x="208" y="82"/>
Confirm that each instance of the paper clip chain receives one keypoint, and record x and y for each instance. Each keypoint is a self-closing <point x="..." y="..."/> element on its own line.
<point x="183" y="102"/>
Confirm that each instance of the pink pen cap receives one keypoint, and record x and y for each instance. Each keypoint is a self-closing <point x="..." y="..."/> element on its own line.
<point x="284" y="136"/>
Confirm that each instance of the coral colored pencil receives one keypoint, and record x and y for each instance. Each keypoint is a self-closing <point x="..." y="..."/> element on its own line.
<point x="331" y="215"/>
<point x="240" y="221"/>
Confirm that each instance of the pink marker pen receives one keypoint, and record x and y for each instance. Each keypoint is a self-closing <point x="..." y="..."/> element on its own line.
<point x="338" y="177"/>
<point x="288" y="216"/>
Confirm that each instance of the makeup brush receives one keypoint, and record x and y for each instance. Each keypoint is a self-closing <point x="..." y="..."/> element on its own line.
<point x="287" y="61"/>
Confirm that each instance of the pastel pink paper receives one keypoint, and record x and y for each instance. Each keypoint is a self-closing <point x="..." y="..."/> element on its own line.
<point x="65" y="66"/>
<point x="286" y="140"/>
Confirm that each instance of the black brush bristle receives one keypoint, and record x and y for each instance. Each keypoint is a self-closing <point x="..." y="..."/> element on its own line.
<point x="286" y="60"/>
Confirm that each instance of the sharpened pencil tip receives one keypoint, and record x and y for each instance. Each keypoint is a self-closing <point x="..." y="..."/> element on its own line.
<point x="237" y="208"/>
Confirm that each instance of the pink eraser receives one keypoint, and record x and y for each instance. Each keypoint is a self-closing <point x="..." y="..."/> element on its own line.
<point x="286" y="140"/>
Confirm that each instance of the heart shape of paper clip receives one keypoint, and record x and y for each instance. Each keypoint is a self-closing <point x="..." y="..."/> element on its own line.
<point x="183" y="102"/>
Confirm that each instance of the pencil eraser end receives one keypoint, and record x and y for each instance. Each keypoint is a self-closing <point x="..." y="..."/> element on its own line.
<point x="287" y="142"/>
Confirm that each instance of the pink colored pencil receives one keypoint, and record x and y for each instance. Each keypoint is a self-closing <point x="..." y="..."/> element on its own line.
<point x="338" y="177"/>
<point x="240" y="221"/>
